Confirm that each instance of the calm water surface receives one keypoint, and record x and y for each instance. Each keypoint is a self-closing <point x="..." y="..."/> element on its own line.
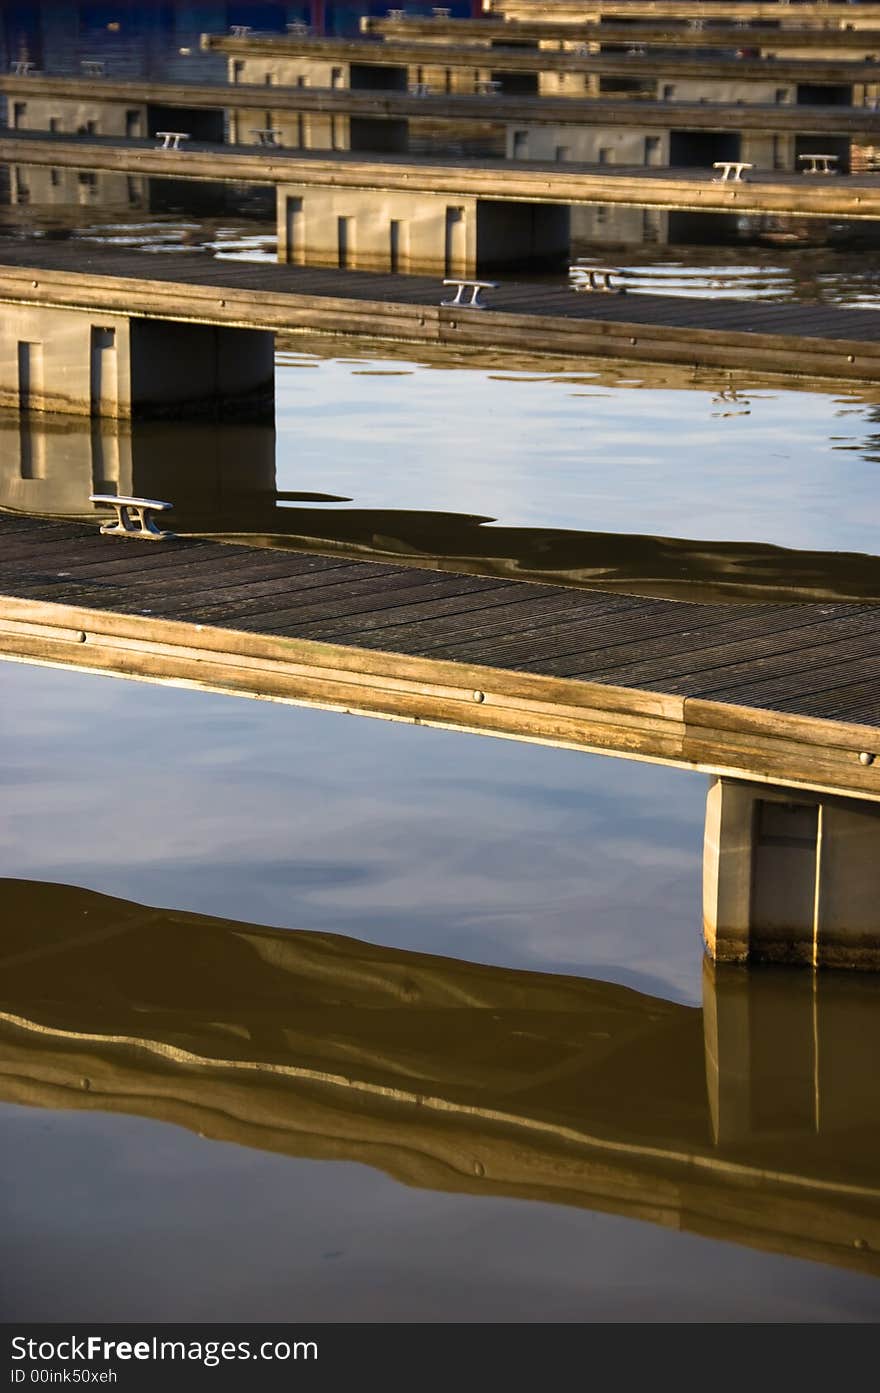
<point x="306" y="1017"/>
<point x="481" y="851"/>
<point x="629" y="449"/>
<point x="641" y="478"/>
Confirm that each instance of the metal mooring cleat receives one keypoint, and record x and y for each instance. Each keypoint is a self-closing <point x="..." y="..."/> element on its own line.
<point x="474" y="303"/>
<point x="134" y="516"/>
<point x="731" y="171"/>
<point x="599" y="278"/>
<point x="171" y="139"/>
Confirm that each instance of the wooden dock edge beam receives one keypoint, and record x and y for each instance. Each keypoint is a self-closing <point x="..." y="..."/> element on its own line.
<point x="710" y="737"/>
<point x="332" y="316"/>
<point x="506" y="181"/>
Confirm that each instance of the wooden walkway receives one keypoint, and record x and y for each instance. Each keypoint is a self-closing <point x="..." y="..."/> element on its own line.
<point x="789" y="694"/>
<point x="720" y="33"/>
<point x="497" y="111"/>
<point x="580" y="11"/>
<point x="400" y="52"/>
<point x="811" y="341"/>
<point x="855" y="197"/>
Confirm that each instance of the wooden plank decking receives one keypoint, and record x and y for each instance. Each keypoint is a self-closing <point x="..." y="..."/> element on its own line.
<point x="580" y="11"/>
<point x="789" y="694"/>
<point x="499" y="110"/>
<point x="720" y="34"/>
<point x="402" y="52"/>
<point x="855" y="197"/>
<point x="815" y="341"/>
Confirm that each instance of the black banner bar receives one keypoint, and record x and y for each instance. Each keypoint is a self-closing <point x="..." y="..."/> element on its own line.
<point x="218" y="1357"/>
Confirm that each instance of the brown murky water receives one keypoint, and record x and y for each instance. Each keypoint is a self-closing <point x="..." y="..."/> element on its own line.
<point x="305" y="1017"/>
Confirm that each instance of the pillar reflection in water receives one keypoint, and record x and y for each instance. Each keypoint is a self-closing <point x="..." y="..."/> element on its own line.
<point x="222" y="483"/>
<point x="756" y="1119"/>
<point x="49" y="465"/>
<point x="794" y="1054"/>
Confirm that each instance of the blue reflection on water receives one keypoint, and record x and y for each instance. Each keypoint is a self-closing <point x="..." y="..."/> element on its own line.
<point x="478" y="848"/>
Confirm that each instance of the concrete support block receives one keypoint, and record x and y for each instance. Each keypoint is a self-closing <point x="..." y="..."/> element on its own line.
<point x="376" y="230"/>
<point x="791" y="877"/>
<point x="65" y="361"/>
<point x="566" y="144"/>
<point x="422" y="232"/>
<point x="515" y="235"/>
<point x="89" y="363"/>
<point x="201" y="370"/>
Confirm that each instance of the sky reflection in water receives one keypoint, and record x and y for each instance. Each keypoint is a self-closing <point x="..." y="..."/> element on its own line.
<point x="563" y="450"/>
<point x="481" y="849"/>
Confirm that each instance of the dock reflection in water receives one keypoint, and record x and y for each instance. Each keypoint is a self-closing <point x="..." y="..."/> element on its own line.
<point x="755" y="1119"/>
<point x="222" y="480"/>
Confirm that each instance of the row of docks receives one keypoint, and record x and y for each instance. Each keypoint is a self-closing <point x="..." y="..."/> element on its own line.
<point x="446" y="146"/>
<point x="387" y="60"/>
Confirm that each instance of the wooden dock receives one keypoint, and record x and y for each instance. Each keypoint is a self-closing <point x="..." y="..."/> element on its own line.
<point x="412" y="53"/>
<point x="719" y="33"/>
<point x="812" y="341"/>
<point x="498" y="110"/>
<point x="852" y="197"/>
<point x="579" y="11"/>
<point x="783" y="694"/>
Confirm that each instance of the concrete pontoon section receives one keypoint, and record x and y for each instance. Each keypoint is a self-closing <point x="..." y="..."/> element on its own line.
<point x="791" y="877"/>
<point x="99" y="364"/>
<point x="419" y="232"/>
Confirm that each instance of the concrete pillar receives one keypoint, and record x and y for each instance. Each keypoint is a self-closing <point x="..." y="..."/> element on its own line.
<point x="91" y="363"/>
<point x="791" y="877"/>
<point x="443" y="234"/>
<point x="201" y="370"/>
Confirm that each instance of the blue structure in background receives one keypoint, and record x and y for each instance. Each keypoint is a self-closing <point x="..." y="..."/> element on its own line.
<point x="154" y="38"/>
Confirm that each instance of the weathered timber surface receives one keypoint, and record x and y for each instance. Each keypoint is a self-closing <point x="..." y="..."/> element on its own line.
<point x="579" y="11"/>
<point x="787" y="694"/>
<point x="499" y="109"/>
<point x="453" y="106"/>
<point x="407" y="53"/>
<point x="719" y="34"/>
<point x="519" y="181"/>
<point x="816" y="341"/>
